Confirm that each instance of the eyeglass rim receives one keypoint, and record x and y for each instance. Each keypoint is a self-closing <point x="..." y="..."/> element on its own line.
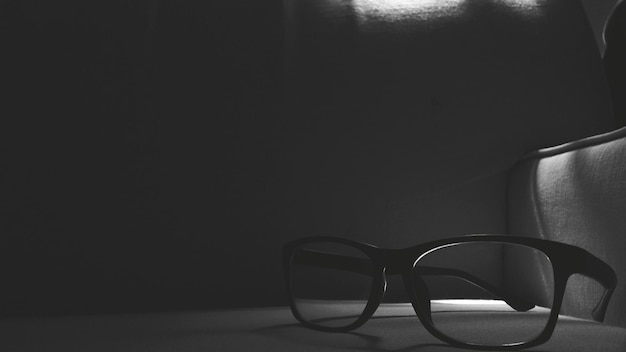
<point x="566" y="260"/>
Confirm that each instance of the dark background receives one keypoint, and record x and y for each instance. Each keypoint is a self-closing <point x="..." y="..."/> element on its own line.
<point x="155" y="154"/>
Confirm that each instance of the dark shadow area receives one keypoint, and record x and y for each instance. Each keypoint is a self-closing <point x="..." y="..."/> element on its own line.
<point x="614" y="58"/>
<point x="363" y="341"/>
<point x="366" y="342"/>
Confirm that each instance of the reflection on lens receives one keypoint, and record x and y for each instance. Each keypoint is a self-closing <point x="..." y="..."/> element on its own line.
<point x="330" y="283"/>
<point x="488" y="293"/>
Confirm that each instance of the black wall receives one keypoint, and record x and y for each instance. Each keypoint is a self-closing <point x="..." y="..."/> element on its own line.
<point x="147" y="161"/>
<point x="120" y="120"/>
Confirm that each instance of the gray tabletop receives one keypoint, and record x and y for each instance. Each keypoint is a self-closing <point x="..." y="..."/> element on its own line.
<point x="393" y="328"/>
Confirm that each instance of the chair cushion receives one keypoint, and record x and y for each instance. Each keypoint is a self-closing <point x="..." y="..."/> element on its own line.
<point x="393" y="328"/>
<point x="576" y="193"/>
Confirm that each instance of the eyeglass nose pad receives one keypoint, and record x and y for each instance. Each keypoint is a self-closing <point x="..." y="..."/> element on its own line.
<point x="420" y="295"/>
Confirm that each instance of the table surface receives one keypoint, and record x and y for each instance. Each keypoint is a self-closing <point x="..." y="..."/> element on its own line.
<point x="393" y="328"/>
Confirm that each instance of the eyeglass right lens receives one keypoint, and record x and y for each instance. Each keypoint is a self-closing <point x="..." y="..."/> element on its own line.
<point x="330" y="283"/>
<point x="488" y="293"/>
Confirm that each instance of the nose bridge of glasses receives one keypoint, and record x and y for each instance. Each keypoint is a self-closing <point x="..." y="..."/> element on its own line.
<point x="400" y="262"/>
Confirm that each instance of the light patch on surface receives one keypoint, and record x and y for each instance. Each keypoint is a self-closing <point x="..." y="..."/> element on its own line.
<point x="526" y="7"/>
<point x="471" y="302"/>
<point x="397" y="10"/>
<point x="393" y="10"/>
<point x="469" y="305"/>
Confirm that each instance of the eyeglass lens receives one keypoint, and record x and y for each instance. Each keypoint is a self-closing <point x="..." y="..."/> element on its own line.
<point x="487" y="293"/>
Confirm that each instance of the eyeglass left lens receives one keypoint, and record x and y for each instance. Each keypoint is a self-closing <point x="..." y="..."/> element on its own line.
<point x="330" y="283"/>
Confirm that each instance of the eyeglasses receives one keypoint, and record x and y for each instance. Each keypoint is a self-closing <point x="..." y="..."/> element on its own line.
<point x="482" y="292"/>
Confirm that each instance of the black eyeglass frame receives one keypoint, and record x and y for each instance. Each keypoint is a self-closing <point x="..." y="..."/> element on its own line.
<point x="566" y="260"/>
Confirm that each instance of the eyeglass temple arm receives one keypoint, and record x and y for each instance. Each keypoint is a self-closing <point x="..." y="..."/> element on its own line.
<point x="519" y="304"/>
<point x="363" y="266"/>
<point x="603" y="273"/>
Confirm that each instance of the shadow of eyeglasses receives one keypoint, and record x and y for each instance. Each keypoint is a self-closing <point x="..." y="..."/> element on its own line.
<point x="363" y="341"/>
